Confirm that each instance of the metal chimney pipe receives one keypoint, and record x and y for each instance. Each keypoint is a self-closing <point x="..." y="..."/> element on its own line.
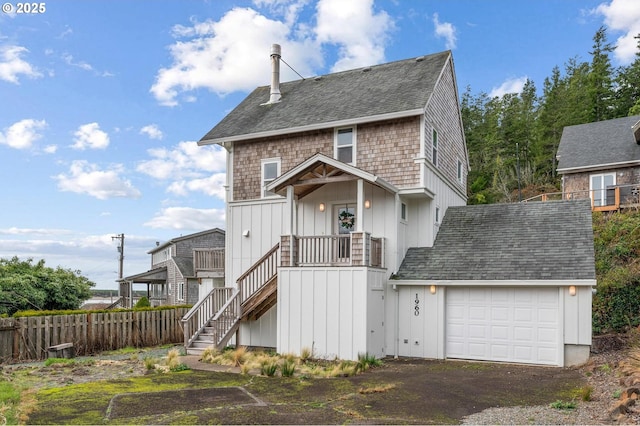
<point x="275" y="74"/>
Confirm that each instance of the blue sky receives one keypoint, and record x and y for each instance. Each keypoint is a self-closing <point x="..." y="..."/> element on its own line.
<point x="102" y="101"/>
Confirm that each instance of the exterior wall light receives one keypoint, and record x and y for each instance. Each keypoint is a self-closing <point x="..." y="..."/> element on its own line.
<point x="432" y="289"/>
<point x="367" y="204"/>
<point x="321" y="207"/>
<point x="572" y="290"/>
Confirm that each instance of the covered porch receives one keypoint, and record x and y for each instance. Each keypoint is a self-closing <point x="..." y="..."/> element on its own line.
<point x="156" y="286"/>
<point x="328" y="214"/>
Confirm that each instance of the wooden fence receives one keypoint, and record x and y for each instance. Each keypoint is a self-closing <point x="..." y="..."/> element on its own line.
<point x="27" y="338"/>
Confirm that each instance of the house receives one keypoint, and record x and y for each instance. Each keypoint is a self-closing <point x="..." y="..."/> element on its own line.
<point x="502" y="282"/>
<point x="182" y="270"/>
<point x="330" y="181"/>
<point x="601" y="161"/>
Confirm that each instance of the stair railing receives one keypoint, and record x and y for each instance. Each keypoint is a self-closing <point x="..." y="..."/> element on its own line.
<point x="259" y="274"/>
<point x="199" y="315"/>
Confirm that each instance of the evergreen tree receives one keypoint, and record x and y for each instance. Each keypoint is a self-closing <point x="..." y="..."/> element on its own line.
<point x="600" y="78"/>
<point x="627" y="94"/>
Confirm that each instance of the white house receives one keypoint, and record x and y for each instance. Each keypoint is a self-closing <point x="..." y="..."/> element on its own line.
<point x="330" y="181"/>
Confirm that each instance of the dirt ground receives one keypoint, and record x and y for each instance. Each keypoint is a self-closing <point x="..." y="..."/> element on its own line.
<point x="108" y="390"/>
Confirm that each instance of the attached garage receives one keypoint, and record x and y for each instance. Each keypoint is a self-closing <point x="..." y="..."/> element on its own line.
<point x="507" y="283"/>
<point x="520" y="325"/>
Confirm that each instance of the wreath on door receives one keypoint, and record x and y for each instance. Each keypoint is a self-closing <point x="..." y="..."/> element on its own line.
<point x="347" y="219"/>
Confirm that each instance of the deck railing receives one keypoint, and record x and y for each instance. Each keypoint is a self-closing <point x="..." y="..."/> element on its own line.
<point x="611" y="198"/>
<point x="355" y="249"/>
<point x="208" y="259"/>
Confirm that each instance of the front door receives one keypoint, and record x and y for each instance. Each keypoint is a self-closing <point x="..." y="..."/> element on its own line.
<point x="344" y="223"/>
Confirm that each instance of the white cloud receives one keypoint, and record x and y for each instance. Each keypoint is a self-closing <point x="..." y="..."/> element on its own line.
<point x="152" y="131"/>
<point x="212" y="186"/>
<point x="217" y="59"/>
<point x="445" y="30"/>
<point x="22" y="134"/>
<point x="86" y="178"/>
<point x="623" y="16"/>
<point x="50" y="149"/>
<point x="511" y="85"/>
<point x="187" y="218"/>
<point x="12" y="65"/>
<point x="188" y="167"/>
<point x="360" y="33"/>
<point x="34" y="231"/>
<point x="68" y="59"/>
<point x="90" y="136"/>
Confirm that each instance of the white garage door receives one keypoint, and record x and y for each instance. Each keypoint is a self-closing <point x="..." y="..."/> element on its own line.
<point x="503" y="324"/>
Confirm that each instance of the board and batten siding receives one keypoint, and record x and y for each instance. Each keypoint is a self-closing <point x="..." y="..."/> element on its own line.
<point x="326" y="310"/>
<point x="421" y="330"/>
<point x="264" y="221"/>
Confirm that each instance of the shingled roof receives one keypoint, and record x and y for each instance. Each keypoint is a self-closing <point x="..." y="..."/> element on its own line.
<point x="598" y="145"/>
<point x="402" y="88"/>
<point x="524" y="241"/>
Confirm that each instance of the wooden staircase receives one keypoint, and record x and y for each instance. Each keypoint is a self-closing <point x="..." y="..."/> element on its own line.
<point x="214" y="320"/>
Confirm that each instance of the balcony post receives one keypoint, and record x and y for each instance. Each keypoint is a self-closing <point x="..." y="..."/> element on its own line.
<point x="360" y="206"/>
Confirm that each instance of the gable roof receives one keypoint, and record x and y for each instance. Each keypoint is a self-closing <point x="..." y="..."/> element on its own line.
<point x="600" y="145"/>
<point x="391" y="90"/>
<point x="185" y="237"/>
<point x="319" y="170"/>
<point x="524" y="241"/>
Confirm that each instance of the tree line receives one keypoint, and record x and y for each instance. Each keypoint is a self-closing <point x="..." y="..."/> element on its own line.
<point x="513" y="140"/>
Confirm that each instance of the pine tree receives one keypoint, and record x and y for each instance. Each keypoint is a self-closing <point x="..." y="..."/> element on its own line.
<point x="601" y="93"/>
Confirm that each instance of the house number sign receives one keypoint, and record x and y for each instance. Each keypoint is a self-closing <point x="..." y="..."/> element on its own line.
<point x="416" y="307"/>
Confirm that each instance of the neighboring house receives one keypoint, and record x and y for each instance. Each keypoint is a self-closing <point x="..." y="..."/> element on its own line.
<point x="601" y="161"/>
<point x="502" y="282"/>
<point x="183" y="270"/>
<point x="330" y="181"/>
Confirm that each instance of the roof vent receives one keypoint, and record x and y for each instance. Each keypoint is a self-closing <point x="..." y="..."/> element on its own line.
<point x="367" y="69"/>
<point x="317" y="78"/>
<point x="636" y="132"/>
<point x="274" y="96"/>
<point x="420" y="59"/>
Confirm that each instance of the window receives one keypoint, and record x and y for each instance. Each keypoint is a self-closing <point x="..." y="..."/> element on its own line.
<point x="181" y="290"/>
<point x="345" y="144"/>
<point x="403" y="211"/>
<point x="437" y="215"/>
<point x="434" y="143"/>
<point x="270" y="171"/>
<point x="459" y="171"/>
<point x="600" y="195"/>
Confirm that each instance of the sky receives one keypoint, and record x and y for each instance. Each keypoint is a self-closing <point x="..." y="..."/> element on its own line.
<point x="102" y="102"/>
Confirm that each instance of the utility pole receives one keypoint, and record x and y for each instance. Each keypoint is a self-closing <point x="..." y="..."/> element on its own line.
<point x="120" y="237"/>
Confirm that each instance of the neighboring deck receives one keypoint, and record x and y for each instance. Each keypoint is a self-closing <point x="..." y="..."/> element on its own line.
<point x="613" y="198"/>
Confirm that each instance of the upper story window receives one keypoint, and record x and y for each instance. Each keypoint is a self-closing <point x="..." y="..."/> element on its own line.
<point x="345" y="145"/>
<point x="434" y="144"/>
<point x="270" y="171"/>
<point x="460" y="176"/>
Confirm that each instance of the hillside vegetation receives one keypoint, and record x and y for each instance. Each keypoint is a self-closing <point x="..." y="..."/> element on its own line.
<point x="616" y="304"/>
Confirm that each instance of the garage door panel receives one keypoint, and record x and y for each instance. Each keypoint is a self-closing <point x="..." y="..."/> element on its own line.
<point x="503" y="324"/>
<point x="523" y="314"/>
<point x="500" y="313"/>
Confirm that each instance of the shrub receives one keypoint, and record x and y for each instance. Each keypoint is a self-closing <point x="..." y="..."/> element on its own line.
<point x="142" y="303"/>
<point x="563" y="405"/>
<point x="269" y="368"/>
<point x="288" y="368"/>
